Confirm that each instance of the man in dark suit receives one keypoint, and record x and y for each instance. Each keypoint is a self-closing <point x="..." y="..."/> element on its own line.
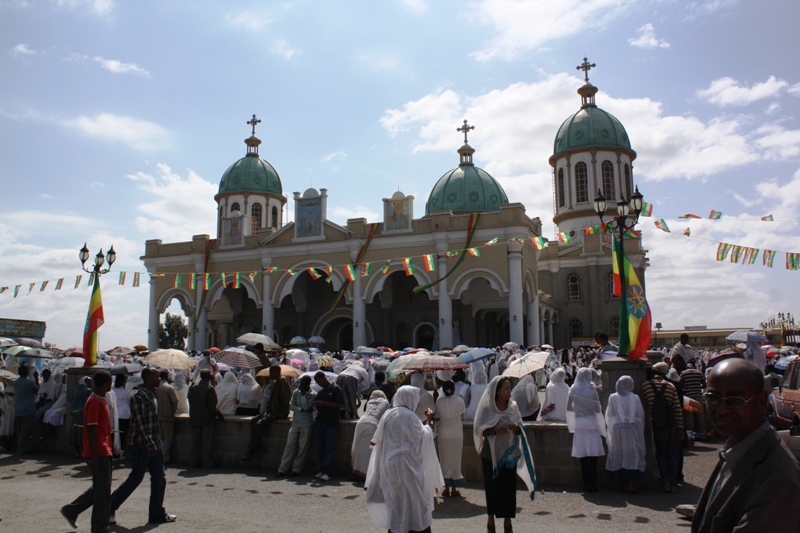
<point x="756" y="484"/>
<point x="202" y="412"/>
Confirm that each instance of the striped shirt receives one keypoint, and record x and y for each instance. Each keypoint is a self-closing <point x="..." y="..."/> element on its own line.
<point x="669" y="393"/>
<point x="692" y="381"/>
<point x="144" y="419"/>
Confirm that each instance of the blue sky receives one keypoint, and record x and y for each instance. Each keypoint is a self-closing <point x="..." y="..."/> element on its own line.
<point x="117" y="120"/>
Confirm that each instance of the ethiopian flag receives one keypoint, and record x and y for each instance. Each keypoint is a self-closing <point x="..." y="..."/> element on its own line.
<point x="94" y="319"/>
<point x="635" y="317"/>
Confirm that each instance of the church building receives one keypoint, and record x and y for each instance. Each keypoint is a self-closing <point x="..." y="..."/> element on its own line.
<point x="474" y="269"/>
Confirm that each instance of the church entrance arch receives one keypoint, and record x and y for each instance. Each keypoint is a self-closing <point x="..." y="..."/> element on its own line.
<point x="424" y="334"/>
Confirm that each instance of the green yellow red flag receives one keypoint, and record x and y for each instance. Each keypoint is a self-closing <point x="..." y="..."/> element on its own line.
<point x="635" y="316"/>
<point x="94" y="319"/>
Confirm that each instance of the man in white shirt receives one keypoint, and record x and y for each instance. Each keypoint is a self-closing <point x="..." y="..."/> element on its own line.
<point x="681" y="353"/>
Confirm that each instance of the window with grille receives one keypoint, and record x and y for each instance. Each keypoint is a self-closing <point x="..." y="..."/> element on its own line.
<point x="575" y="328"/>
<point x="255" y="219"/>
<point x="574" y="287"/>
<point x="607" y="171"/>
<point x="581" y="183"/>
<point x="274" y="217"/>
<point x="562" y="196"/>
<point x="628" y="186"/>
<point x="610" y="285"/>
<point x="234" y="207"/>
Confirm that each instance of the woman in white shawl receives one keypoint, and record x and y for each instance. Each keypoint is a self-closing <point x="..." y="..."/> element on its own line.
<point x="226" y="394"/>
<point x="625" y="419"/>
<point x="555" y="397"/>
<point x="447" y="425"/>
<point x="526" y="396"/>
<point x="503" y="447"/>
<point x="404" y="476"/>
<point x="182" y="392"/>
<point x="361" y="449"/>
<point x="476" y="389"/>
<point x="248" y="396"/>
<point x="585" y="422"/>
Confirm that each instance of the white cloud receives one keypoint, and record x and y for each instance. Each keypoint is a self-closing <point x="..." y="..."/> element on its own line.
<point x="418" y="7"/>
<point x="96" y="185"/>
<point x="254" y="22"/>
<point x="75" y="57"/>
<point x="794" y="89"/>
<point x="138" y="134"/>
<point x="525" y="26"/>
<point x="339" y="154"/>
<point x="183" y="207"/>
<point x="646" y="38"/>
<point x="707" y="7"/>
<point x="727" y="91"/>
<point x="280" y="47"/>
<point x="22" y="50"/>
<point x="777" y="142"/>
<point x="45" y="196"/>
<point x="118" y="67"/>
<point x="98" y="7"/>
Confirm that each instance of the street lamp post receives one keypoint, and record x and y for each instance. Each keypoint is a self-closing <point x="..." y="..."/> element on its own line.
<point x="627" y="217"/>
<point x="99" y="260"/>
<point x="94" y="318"/>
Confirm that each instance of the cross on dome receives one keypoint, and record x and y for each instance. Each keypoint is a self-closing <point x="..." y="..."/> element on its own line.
<point x="465" y="128"/>
<point x="585" y="67"/>
<point x="253" y="121"/>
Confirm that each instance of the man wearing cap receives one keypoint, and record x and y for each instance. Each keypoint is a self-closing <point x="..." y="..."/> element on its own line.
<point x="756" y="484"/>
<point x="667" y="430"/>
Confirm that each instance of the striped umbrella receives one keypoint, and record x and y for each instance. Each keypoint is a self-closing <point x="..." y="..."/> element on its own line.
<point x="238" y="357"/>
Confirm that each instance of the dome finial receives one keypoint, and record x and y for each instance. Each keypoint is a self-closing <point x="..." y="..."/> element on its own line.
<point x="253" y="121"/>
<point x="466" y="151"/>
<point x="465" y="128"/>
<point x="585" y="67"/>
<point x="252" y="142"/>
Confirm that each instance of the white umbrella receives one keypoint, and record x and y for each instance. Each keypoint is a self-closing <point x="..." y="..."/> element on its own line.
<point x="510" y="345"/>
<point x="745" y="335"/>
<point x="476" y="354"/>
<point x="5" y="341"/>
<point x="258" y="338"/>
<point x="37" y="353"/>
<point x="531" y="362"/>
<point x="67" y="362"/>
<point x="297" y="353"/>
<point x="122" y="350"/>
<point x="170" y="359"/>
<point x="316" y="339"/>
<point x="298" y="340"/>
<point x="365" y="350"/>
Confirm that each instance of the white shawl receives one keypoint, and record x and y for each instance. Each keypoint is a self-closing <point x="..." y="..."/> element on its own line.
<point x="226" y="394"/>
<point x="625" y="419"/>
<point x="556" y="395"/>
<point x="583" y="404"/>
<point x="526" y="396"/>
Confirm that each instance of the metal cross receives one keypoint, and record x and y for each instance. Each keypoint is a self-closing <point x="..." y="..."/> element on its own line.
<point x="253" y="121"/>
<point x="465" y="128"/>
<point x="585" y="67"/>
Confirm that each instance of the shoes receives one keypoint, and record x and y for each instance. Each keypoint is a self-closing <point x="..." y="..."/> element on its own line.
<point x="293" y="474"/>
<point x="508" y="529"/>
<point x="454" y="493"/>
<point x="112" y="519"/>
<point x="674" y="489"/>
<point x="73" y="522"/>
<point x="280" y="474"/>
<point x="318" y="475"/>
<point x="666" y="488"/>
<point x="490" y="529"/>
<point x="324" y="477"/>
<point x="167" y="519"/>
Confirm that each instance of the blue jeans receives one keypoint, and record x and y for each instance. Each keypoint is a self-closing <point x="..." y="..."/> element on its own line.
<point x="142" y="462"/>
<point x="326" y="443"/>
<point x="667" y="450"/>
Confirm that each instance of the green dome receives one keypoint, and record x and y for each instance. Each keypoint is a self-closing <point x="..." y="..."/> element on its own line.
<point x="466" y="188"/>
<point x="251" y="174"/>
<point x="591" y="126"/>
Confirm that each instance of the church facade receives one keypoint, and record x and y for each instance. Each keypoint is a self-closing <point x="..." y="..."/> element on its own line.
<point x="475" y="269"/>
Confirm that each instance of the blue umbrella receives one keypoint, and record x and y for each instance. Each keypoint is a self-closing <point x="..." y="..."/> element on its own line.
<point x="476" y="354"/>
<point x="744" y="335"/>
<point x="783" y="362"/>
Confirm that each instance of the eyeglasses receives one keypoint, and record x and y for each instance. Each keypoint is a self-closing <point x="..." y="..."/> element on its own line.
<point x="714" y="400"/>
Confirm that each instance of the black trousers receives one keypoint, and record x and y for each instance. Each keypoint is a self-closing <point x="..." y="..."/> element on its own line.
<point x="589" y="471"/>
<point x="98" y="497"/>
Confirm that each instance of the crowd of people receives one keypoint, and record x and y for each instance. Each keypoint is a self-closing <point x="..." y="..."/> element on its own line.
<point x="400" y="420"/>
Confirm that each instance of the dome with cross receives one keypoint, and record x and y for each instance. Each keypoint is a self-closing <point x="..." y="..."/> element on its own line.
<point x="251" y="173"/>
<point x="466" y="188"/>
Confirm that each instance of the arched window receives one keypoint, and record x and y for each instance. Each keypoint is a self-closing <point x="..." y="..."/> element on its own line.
<point x="234" y="207"/>
<point x="274" y="217"/>
<point x="574" y="287"/>
<point x="628" y="186"/>
<point x="562" y="196"/>
<point x="610" y="285"/>
<point x="575" y="328"/>
<point x="255" y="219"/>
<point x="581" y="183"/>
<point x="607" y="170"/>
<point x="613" y="327"/>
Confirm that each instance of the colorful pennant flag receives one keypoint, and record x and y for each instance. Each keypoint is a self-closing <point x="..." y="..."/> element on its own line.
<point x="252" y="276"/>
<point x="451" y="254"/>
<point x="122" y="276"/>
<point x="715" y="215"/>
<point x="16" y="290"/>
<point x="329" y="270"/>
<point x="736" y="252"/>
<point x="430" y="263"/>
<point x="59" y="283"/>
<point x="687" y="232"/>
<point x="78" y="280"/>
<point x="44" y="284"/>
<point x="386" y="268"/>
<point x="206" y="281"/>
<point x="91" y="280"/>
<point x="635" y="316"/>
<point x="3" y="289"/>
<point x="722" y="251"/>
<point x="222" y="278"/>
<point x="751" y="258"/>
<point x="493" y="241"/>
<point x="792" y="261"/>
<point x="94" y="319"/>
<point x="592" y="230"/>
<point x="271" y="270"/>
<point x="538" y="242"/>
<point x="136" y="278"/>
<point x="193" y="281"/>
<point x="30" y="287"/>
<point x="768" y="258"/>
<point x="237" y="280"/>
<point x="313" y="273"/>
<point x="631" y="233"/>
<point x="350" y="272"/>
<point x="689" y="215"/>
<point x="564" y="237"/>
<point x="408" y="266"/>
<point x="768" y="218"/>
<point x="662" y="225"/>
<point x="474" y="252"/>
<point x="366" y="269"/>
<point x="647" y="209"/>
<point x="176" y="282"/>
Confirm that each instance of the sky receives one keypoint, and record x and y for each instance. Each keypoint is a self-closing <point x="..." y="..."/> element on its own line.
<point x="118" y="119"/>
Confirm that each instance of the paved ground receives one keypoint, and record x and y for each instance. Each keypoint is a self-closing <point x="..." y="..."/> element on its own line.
<point x="34" y="488"/>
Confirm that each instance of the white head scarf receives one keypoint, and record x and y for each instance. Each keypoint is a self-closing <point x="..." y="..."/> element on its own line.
<point x="625" y="419"/>
<point x="375" y="408"/>
<point x="583" y="404"/>
<point x="180" y="381"/>
<point x="555" y="397"/>
<point x="526" y="395"/>
<point x="249" y="392"/>
<point x="418" y="380"/>
<point x="478" y="373"/>
<point x="226" y="394"/>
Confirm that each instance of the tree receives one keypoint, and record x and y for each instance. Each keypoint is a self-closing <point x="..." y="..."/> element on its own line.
<point x="173" y="332"/>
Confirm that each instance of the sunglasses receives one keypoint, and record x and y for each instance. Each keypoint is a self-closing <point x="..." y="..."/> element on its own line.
<point x="714" y="400"/>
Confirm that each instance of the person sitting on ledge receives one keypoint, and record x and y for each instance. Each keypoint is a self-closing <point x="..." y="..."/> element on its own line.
<point x="277" y="408"/>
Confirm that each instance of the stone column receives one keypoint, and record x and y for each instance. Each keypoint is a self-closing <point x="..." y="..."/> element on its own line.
<point x="359" y="314"/>
<point x="445" y="306"/>
<point x="541" y="331"/>
<point x="153" y="319"/>
<point x="550" y="331"/>
<point x="267" y="311"/>
<point x="515" y="316"/>
<point x="533" y="321"/>
<point x="201" y="336"/>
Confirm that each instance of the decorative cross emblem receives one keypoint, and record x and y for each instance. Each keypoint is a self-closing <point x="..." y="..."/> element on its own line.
<point x="465" y="128"/>
<point x="253" y="121"/>
<point x="585" y="67"/>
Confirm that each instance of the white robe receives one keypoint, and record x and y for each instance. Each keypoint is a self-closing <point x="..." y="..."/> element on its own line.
<point x="450" y="431"/>
<point x="625" y="419"/>
<point x="556" y="395"/>
<point x="226" y="394"/>
<point x="361" y="449"/>
<point x="585" y="418"/>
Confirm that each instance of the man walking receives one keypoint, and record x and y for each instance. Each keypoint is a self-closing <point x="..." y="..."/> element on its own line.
<point x="277" y="408"/>
<point x="25" y="391"/>
<point x="145" y="451"/>
<point x="202" y="411"/>
<point x="666" y="417"/>
<point x="301" y="405"/>
<point x="167" y="406"/>
<point x="329" y="404"/>
<point x="97" y="452"/>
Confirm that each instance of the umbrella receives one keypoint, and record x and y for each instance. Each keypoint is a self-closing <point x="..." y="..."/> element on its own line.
<point x="298" y="340"/>
<point x="296" y="353"/>
<point x="316" y="339"/>
<point x="122" y="350"/>
<point x="745" y="335"/>
<point x="37" y="353"/>
<point x="365" y="350"/>
<point x="384" y="349"/>
<point x="716" y="359"/>
<point x="30" y="342"/>
<point x="140" y="348"/>
<point x="783" y="362"/>
<point x="395" y="368"/>
<point x="125" y="368"/>
<point x="171" y="359"/>
<point x="531" y="362"/>
<point x="476" y="354"/>
<point x="461" y="348"/>
<point x="326" y="360"/>
<point x="10" y="376"/>
<point x="257" y="338"/>
<point x="286" y="371"/>
<point x="214" y="350"/>
<point x="15" y="350"/>
<point x="238" y="357"/>
<point x="430" y="363"/>
<point x="5" y="341"/>
<point x="67" y="362"/>
<point x="769" y="350"/>
<point x="510" y="345"/>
